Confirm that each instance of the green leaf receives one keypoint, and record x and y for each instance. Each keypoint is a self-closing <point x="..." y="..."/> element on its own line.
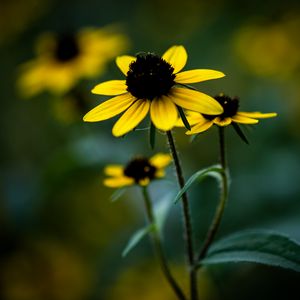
<point x="117" y="194"/>
<point x="152" y="135"/>
<point x="136" y="238"/>
<point x="162" y="209"/>
<point x="213" y="171"/>
<point x="239" y="132"/>
<point x="261" y="247"/>
<point x="183" y="118"/>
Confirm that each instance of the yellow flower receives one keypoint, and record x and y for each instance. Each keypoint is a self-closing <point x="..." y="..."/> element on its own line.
<point x="154" y="84"/>
<point x="62" y="60"/>
<point x="201" y="122"/>
<point x="140" y="170"/>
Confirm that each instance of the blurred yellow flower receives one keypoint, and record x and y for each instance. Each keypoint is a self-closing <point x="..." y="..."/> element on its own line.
<point x="231" y="114"/>
<point x="63" y="59"/>
<point x="270" y="49"/>
<point x="139" y="170"/>
<point x="154" y="84"/>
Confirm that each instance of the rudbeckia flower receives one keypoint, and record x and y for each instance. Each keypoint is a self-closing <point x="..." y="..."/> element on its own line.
<point x="154" y="84"/>
<point x="140" y="170"/>
<point x="231" y="115"/>
<point x="63" y="59"/>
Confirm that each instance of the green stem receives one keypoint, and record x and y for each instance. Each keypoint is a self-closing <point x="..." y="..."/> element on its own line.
<point x="223" y="198"/>
<point x="158" y="247"/>
<point x="186" y="217"/>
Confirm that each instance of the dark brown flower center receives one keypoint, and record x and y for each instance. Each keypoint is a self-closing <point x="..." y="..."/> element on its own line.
<point x="230" y="106"/>
<point x="140" y="168"/>
<point x="67" y="48"/>
<point x="149" y="77"/>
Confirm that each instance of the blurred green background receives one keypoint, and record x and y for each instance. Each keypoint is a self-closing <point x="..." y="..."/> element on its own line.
<point x="61" y="237"/>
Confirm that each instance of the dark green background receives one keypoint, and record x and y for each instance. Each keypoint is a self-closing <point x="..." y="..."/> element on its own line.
<point x="61" y="237"/>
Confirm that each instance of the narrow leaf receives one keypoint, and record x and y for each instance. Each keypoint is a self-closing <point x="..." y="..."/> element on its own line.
<point x="193" y="138"/>
<point x="162" y="209"/>
<point x="240" y="133"/>
<point x="117" y="195"/>
<point x="136" y="238"/>
<point x="152" y="135"/>
<point x="183" y="118"/>
<point x="261" y="247"/>
<point x="214" y="171"/>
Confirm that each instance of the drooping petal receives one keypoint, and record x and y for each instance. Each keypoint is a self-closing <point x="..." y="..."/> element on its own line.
<point x="176" y="56"/>
<point x="257" y="115"/>
<point x="198" y="75"/>
<point x="160" y="173"/>
<point x="243" y="120"/>
<point x="144" y="181"/>
<point x="132" y="117"/>
<point x="123" y="62"/>
<point x="109" y="108"/>
<point x="163" y="113"/>
<point x="110" y="88"/>
<point x="193" y="118"/>
<point x="117" y="182"/>
<point x="222" y="122"/>
<point x="114" y="170"/>
<point x="160" y="160"/>
<point x="200" y="127"/>
<point x="196" y="101"/>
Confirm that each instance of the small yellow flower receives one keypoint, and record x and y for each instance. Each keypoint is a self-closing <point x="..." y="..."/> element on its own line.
<point x="62" y="60"/>
<point x="201" y="122"/>
<point x="154" y="84"/>
<point x="140" y="170"/>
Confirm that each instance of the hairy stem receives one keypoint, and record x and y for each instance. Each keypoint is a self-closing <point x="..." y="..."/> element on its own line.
<point x="223" y="199"/>
<point x="186" y="217"/>
<point x="158" y="247"/>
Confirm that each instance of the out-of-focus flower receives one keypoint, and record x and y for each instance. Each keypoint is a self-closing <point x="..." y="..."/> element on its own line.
<point x="63" y="59"/>
<point x="139" y="170"/>
<point x="270" y="49"/>
<point x="154" y="84"/>
<point x="231" y="114"/>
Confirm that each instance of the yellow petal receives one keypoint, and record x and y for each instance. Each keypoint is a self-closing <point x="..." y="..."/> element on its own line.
<point x="176" y="56"/>
<point x="124" y="61"/>
<point x="132" y="117"/>
<point x="160" y="173"/>
<point x="257" y="115"/>
<point x="196" y="101"/>
<point x="117" y="182"/>
<point x="199" y="75"/>
<point x="160" y="160"/>
<point x="222" y="122"/>
<point x="243" y="120"/>
<point x="193" y="118"/>
<point x="109" y="108"/>
<point x="114" y="170"/>
<point x="163" y="113"/>
<point x="144" y="181"/>
<point x="110" y="88"/>
<point x="200" y="127"/>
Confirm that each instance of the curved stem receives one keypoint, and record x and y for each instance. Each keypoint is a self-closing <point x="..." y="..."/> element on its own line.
<point x="187" y="219"/>
<point x="223" y="199"/>
<point x="158" y="247"/>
